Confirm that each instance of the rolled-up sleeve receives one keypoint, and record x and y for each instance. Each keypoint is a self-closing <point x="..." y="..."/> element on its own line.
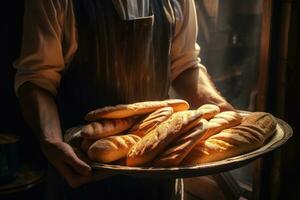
<point x="185" y="50"/>
<point x="41" y="60"/>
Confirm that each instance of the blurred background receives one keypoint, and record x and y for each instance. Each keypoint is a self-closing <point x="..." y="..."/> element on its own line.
<point x="250" y="49"/>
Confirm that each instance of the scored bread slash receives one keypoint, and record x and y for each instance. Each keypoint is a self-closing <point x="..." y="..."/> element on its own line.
<point x="112" y="148"/>
<point x="156" y="141"/>
<point x="151" y="121"/>
<point x="251" y="134"/>
<point x="105" y="128"/>
<point x="223" y="120"/>
<point x="140" y="108"/>
<point x="207" y="112"/>
<point x="176" y="152"/>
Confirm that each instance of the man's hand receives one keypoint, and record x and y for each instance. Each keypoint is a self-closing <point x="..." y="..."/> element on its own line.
<point x="64" y="159"/>
<point x="225" y="106"/>
<point x="75" y="171"/>
<point x="40" y="112"/>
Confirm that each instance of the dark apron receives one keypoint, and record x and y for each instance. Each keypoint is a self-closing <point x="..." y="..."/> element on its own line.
<point x="117" y="62"/>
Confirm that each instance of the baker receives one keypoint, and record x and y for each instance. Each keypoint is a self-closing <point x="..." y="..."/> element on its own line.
<point x="79" y="55"/>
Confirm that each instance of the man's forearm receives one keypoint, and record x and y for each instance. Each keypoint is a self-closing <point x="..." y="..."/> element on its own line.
<point x="40" y="112"/>
<point x="195" y="86"/>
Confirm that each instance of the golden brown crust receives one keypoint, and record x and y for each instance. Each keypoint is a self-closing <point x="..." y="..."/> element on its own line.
<point x="86" y="143"/>
<point x="151" y="121"/>
<point x="207" y="112"/>
<point x="178" y="104"/>
<point x="222" y="121"/>
<point x="252" y="133"/>
<point x="105" y="128"/>
<point x="157" y="140"/>
<point x="176" y="152"/>
<point x="112" y="148"/>
<point x="140" y="108"/>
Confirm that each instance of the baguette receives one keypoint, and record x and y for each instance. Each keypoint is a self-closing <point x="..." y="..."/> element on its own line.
<point x="251" y="134"/>
<point x="105" y="128"/>
<point x="156" y="141"/>
<point x="177" y="104"/>
<point x="177" y="151"/>
<point x="151" y="121"/>
<point x="207" y="112"/>
<point x="86" y="143"/>
<point x="140" y="108"/>
<point x="222" y="121"/>
<point x="112" y="148"/>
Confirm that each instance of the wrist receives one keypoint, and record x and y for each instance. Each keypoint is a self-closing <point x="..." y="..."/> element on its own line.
<point x="48" y="143"/>
<point x="209" y="95"/>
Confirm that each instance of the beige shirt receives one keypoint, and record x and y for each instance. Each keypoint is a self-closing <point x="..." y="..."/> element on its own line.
<point x="50" y="41"/>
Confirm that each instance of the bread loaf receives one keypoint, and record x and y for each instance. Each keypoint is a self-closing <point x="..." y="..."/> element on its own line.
<point x="177" y="151"/>
<point x="86" y="143"/>
<point x="222" y="121"/>
<point x="252" y="133"/>
<point x="105" y="128"/>
<point x="156" y="141"/>
<point x="112" y="148"/>
<point x="151" y="121"/>
<point x="207" y="112"/>
<point x="140" y="108"/>
<point x="177" y="104"/>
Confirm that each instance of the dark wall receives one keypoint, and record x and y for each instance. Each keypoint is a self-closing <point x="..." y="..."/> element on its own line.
<point x="11" y="121"/>
<point x="11" y="30"/>
<point x="284" y="90"/>
<point x="290" y="155"/>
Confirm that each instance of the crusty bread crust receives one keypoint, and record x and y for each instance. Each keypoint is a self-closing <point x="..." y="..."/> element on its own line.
<point x="86" y="143"/>
<point x="222" y="121"/>
<point x="105" y="128"/>
<point x="251" y="134"/>
<point x="112" y="148"/>
<point x="156" y="141"/>
<point x="140" y="108"/>
<point x="151" y="121"/>
<point x="177" y="151"/>
<point x="207" y="112"/>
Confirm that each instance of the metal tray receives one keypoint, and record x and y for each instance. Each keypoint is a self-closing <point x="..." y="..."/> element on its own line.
<point x="282" y="133"/>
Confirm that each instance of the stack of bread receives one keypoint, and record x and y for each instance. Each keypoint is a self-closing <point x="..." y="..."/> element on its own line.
<point x="166" y="133"/>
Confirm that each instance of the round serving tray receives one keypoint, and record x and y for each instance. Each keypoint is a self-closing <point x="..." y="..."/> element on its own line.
<point x="282" y="133"/>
